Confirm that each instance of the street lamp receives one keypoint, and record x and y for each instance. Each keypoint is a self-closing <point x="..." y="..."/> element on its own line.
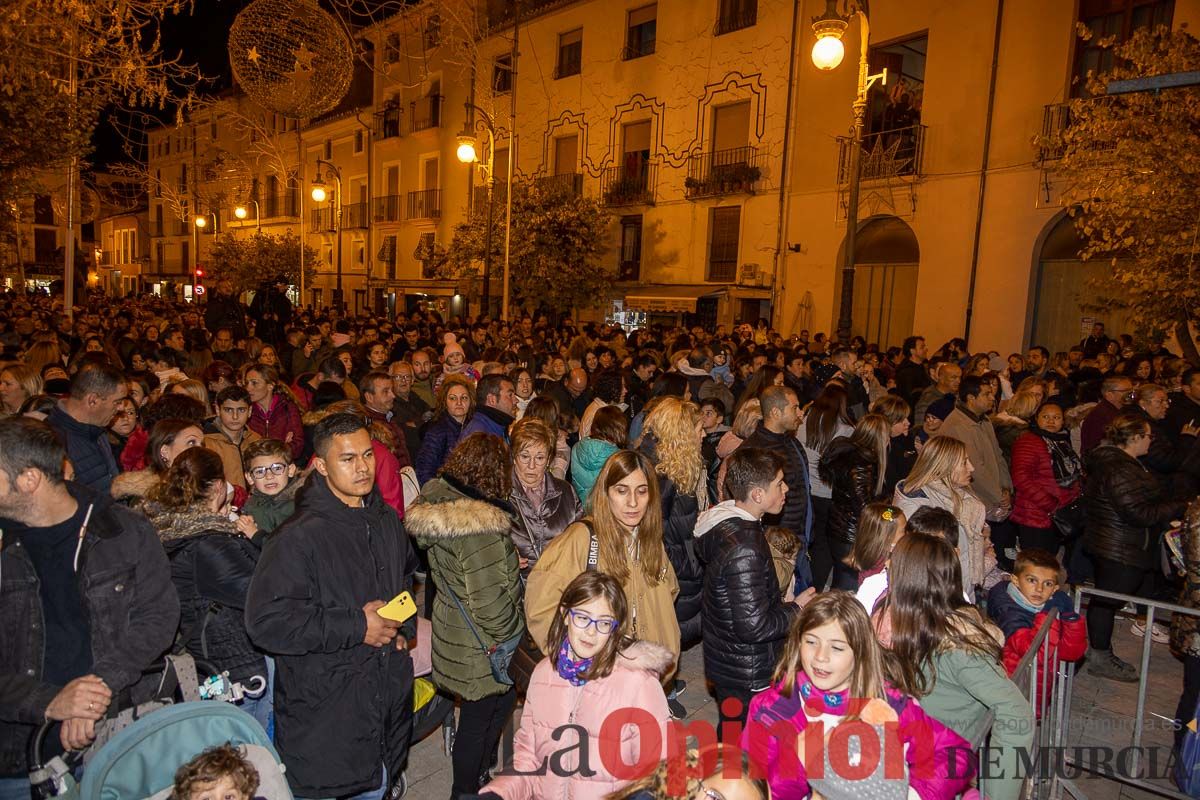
<point x="320" y="192"/>
<point x="199" y="223"/>
<point x="468" y="153"/>
<point x="827" y="54"/>
<point x="241" y="212"/>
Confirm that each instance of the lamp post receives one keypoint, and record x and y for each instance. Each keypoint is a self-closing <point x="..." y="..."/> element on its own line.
<point x="199" y="224"/>
<point x="320" y="191"/>
<point x="241" y="212"/>
<point x="468" y="153"/>
<point x="827" y="54"/>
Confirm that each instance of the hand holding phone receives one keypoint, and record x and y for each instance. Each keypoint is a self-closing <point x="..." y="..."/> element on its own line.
<point x="399" y="609"/>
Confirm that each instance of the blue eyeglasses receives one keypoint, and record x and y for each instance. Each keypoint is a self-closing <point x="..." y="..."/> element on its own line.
<point x="604" y="625"/>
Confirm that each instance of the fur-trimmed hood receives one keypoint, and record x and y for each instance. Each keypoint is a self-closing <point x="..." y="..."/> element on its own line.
<point x="175" y="526"/>
<point x="134" y="485"/>
<point x="447" y="508"/>
<point x="646" y="656"/>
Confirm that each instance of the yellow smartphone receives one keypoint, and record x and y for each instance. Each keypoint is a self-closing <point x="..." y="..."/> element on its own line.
<point x="400" y="608"/>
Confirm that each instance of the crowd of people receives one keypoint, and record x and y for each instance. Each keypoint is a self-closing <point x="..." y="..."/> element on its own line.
<point x="847" y="531"/>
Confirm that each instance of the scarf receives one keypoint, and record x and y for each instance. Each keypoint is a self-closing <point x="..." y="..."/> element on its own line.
<point x="821" y="702"/>
<point x="1063" y="458"/>
<point x="1022" y="601"/>
<point x="570" y="670"/>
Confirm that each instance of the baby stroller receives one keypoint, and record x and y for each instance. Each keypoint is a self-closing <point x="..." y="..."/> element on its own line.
<point x="144" y="746"/>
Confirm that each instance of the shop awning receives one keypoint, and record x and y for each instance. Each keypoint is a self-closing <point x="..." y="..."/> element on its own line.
<point x="668" y="299"/>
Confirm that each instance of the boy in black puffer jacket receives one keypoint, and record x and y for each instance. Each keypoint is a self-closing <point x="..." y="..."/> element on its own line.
<point x="745" y="620"/>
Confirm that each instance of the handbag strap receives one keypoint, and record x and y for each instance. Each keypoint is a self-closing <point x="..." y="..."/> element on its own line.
<point x="593" y="556"/>
<point x="467" y="618"/>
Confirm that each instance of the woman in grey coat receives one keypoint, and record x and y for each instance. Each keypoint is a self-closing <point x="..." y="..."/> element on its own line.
<point x="545" y="505"/>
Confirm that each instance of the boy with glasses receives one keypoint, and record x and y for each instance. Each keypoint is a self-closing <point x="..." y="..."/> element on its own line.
<point x="271" y="474"/>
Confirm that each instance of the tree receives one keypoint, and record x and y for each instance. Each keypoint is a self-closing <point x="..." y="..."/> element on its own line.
<point x="248" y="262"/>
<point x="1131" y="171"/>
<point x="557" y="240"/>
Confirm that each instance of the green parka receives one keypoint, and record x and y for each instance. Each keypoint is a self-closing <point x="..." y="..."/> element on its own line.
<point x="470" y="553"/>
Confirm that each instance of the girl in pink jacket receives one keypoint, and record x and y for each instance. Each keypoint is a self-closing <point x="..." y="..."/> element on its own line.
<point x="602" y="683"/>
<point x="831" y="675"/>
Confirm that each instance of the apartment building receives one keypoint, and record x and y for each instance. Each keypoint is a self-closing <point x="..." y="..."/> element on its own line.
<point x="33" y="256"/>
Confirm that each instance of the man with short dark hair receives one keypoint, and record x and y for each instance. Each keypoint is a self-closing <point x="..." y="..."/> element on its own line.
<point x="81" y="421"/>
<point x="422" y="386"/>
<point x="1037" y="362"/>
<point x="228" y="434"/>
<point x="222" y="310"/>
<point x="637" y="381"/>
<point x="344" y="674"/>
<point x="88" y="602"/>
<point x="495" y="404"/>
<point x="1096" y="342"/>
<point x="332" y="369"/>
<point x="911" y="377"/>
<point x="971" y="424"/>
<point x="378" y="396"/>
<point x="777" y="432"/>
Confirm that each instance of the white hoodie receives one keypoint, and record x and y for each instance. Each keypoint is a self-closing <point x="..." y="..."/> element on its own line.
<point x="712" y="517"/>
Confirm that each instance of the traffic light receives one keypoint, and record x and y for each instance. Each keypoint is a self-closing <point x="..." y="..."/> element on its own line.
<point x="199" y="273"/>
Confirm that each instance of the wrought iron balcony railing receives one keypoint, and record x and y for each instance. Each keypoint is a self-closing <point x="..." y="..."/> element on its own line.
<point x="629" y="185"/>
<point x="425" y="204"/>
<point x="721" y="172"/>
<point x="885" y="154"/>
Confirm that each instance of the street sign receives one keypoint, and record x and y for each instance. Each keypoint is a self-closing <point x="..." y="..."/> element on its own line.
<point x="199" y="290"/>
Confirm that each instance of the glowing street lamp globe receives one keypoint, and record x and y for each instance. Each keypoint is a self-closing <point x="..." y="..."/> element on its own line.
<point x="319" y="192"/>
<point x="240" y="212"/>
<point x="201" y="222"/>
<point x="467" y="150"/>
<point x="828" y="51"/>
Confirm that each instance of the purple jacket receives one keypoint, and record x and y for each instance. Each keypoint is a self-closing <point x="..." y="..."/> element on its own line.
<point x="939" y="761"/>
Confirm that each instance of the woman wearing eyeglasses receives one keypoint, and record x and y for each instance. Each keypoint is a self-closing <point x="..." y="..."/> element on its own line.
<point x="545" y="505"/>
<point x="594" y="670"/>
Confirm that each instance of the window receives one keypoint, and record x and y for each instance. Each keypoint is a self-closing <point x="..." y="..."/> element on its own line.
<point x="1116" y="20"/>
<point x="636" y="145"/>
<point x="358" y="142"/>
<point x="570" y="53"/>
<point x="158" y="183"/>
<point x="629" y="262"/>
<point x="426" y="251"/>
<point x="212" y="130"/>
<point x="183" y="186"/>
<point x="45" y="245"/>
<point x="733" y="15"/>
<point x="185" y="261"/>
<point x="502" y="74"/>
<point x="566" y="155"/>
<point x="433" y="31"/>
<point x="897" y="105"/>
<point x="731" y="126"/>
<point x="160" y="256"/>
<point x="641" y="32"/>
<point x="387" y="254"/>
<point x="328" y="149"/>
<point x="391" y="48"/>
<point x="327" y="254"/>
<point x="158" y="221"/>
<point x="723" y="225"/>
<point x="43" y="210"/>
<point x="430" y="177"/>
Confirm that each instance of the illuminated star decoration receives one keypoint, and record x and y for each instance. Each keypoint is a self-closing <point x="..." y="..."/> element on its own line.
<point x="304" y="58"/>
<point x="885" y="161"/>
<point x="252" y="56"/>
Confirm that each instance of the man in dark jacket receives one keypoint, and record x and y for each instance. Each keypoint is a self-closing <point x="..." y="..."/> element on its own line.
<point x="272" y="311"/>
<point x="1114" y="394"/>
<point x="911" y="377"/>
<point x="408" y="410"/>
<point x="745" y="620"/>
<point x="777" y="431"/>
<point x="497" y="399"/>
<point x="344" y="683"/>
<point x="81" y="419"/>
<point x="87" y="602"/>
<point x="224" y="311"/>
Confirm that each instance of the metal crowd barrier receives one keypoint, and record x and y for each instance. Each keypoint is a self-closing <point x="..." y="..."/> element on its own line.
<point x="1053" y="732"/>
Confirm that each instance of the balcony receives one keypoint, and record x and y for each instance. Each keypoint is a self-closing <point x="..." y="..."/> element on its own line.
<point x="730" y="21"/>
<point x="322" y="220"/>
<point x="387" y="122"/>
<point x="426" y="113"/>
<point x="354" y="215"/>
<point x="569" y="184"/>
<point x="387" y="208"/>
<point x="106" y="258"/>
<point x="282" y="204"/>
<point x="886" y="154"/>
<point x="425" y="204"/>
<point x="630" y="52"/>
<point x="629" y="185"/>
<point x="1056" y="118"/>
<point x="722" y="172"/>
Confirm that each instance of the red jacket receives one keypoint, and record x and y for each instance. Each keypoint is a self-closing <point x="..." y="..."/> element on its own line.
<point x="1038" y="495"/>
<point x="282" y="419"/>
<point x="1068" y="642"/>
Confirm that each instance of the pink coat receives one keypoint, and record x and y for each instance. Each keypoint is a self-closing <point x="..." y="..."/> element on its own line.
<point x="552" y="703"/>
<point x="938" y="759"/>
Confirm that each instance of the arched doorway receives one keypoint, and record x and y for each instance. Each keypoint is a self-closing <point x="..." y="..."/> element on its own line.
<point x="886" y="258"/>
<point x="1067" y="301"/>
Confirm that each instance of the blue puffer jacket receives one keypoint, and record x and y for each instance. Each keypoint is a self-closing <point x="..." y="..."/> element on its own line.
<point x="439" y="439"/>
<point x="587" y="459"/>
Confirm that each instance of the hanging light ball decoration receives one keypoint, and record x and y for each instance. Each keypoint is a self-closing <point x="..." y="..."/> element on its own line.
<point x="291" y="57"/>
<point x="222" y="179"/>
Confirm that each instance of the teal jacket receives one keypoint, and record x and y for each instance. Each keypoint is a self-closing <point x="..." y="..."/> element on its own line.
<point x="587" y="459"/>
